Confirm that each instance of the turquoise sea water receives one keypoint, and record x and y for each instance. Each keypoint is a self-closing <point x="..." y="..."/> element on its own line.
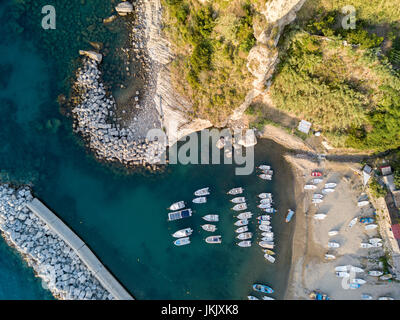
<point x="123" y="218"/>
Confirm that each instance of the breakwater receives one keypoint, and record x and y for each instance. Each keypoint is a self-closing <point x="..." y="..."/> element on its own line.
<point x="66" y="265"/>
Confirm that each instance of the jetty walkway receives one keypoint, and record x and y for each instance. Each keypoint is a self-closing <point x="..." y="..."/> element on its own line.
<point x="106" y="279"/>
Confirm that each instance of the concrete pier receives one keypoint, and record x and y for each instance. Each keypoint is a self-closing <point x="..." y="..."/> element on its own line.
<point x="106" y="279"/>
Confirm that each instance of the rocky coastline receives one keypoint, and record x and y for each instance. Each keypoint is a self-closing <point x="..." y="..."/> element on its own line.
<point x="61" y="270"/>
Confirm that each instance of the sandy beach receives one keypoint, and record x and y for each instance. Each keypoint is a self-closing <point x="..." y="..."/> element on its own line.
<point x="310" y="270"/>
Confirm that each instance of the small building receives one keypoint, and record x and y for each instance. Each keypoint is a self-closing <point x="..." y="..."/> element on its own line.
<point x="304" y="126"/>
<point x="386" y="170"/>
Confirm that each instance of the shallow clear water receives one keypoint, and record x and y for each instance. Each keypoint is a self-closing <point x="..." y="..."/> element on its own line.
<point x="123" y="218"/>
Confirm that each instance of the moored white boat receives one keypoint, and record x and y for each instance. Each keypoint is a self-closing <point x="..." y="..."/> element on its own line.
<point x="264" y="206"/>
<point x="268" y="239"/>
<point x="211" y="217"/>
<point x="244" y="244"/>
<point x="265" y="176"/>
<point x="238" y="200"/>
<point x="177" y="215"/>
<point x="264" y="201"/>
<point x="265" y="195"/>
<point x="267" y="298"/>
<point x="242" y="229"/>
<point x="264" y="222"/>
<point x="183" y="233"/>
<point x="264" y="218"/>
<point x="244" y="215"/>
<point x="270" y="210"/>
<point x="264" y="227"/>
<point x="245" y="236"/>
<point x="209" y="227"/>
<point x="267" y="251"/>
<point x="235" y="191"/>
<point x="202" y="192"/>
<point x="267" y="234"/>
<point x="182" y="241"/>
<point x="241" y="223"/>
<point x="268" y="172"/>
<point x="264" y="167"/>
<point x="252" y="298"/>
<point x="200" y="200"/>
<point x="240" y="207"/>
<point x="266" y="244"/>
<point x="177" y="206"/>
<point x="214" y="239"/>
<point x="269" y="258"/>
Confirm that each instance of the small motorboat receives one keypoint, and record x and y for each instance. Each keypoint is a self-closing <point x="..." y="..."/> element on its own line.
<point x="333" y="244"/>
<point x="366" y="220"/>
<point x="209" y="227"/>
<point x="252" y="298"/>
<point x="269" y="258"/>
<point x="264" y="167"/>
<point x="317" y="181"/>
<point x="264" y="222"/>
<point x="264" y="218"/>
<point x="241" y="223"/>
<point x="386" y="277"/>
<point x="330" y="185"/>
<point x="371" y="226"/>
<point x="318" y="196"/>
<point x="245" y="236"/>
<point x="374" y="240"/>
<point x="200" y="200"/>
<point x="325" y="191"/>
<point x="177" y="215"/>
<point x="238" y="200"/>
<point x="262" y="288"/>
<point x="264" y="227"/>
<point x="363" y="203"/>
<point x="266" y="244"/>
<point x="183" y="233"/>
<point x="244" y="215"/>
<point x="330" y="257"/>
<point x="270" y="210"/>
<point x="333" y="233"/>
<point x="236" y="191"/>
<point x="264" y="206"/>
<point x="352" y="223"/>
<point x="316" y="174"/>
<point x="310" y="187"/>
<point x="342" y="274"/>
<point x="267" y="251"/>
<point x="316" y="295"/>
<point x="264" y="201"/>
<point x="268" y="172"/>
<point x="242" y="229"/>
<point x="316" y="201"/>
<point x="177" y="206"/>
<point x="320" y="216"/>
<point x="355" y="269"/>
<point x="265" y="176"/>
<point x="385" y="298"/>
<point x="268" y="239"/>
<point x="354" y="285"/>
<point x="365" y="245"/>
<point x="214" y="239"/>
<point x="240" y="207"/>
<point x="202" y="192"/>
<point x="267" y="298"/>
<point x="289" y="215"/>
<point x="341" y="268"/>
<point x="358" y="281"/>
<point x="265" y="195"/>
<point x="211" y="217"/>
<point x="377" y="245"/>
<point x="244" y="244"/>
<point x="375" y="273"/>
<point x="267" y="234"/>
<point x="182" y="241"/>
<point x="365" y="296"/>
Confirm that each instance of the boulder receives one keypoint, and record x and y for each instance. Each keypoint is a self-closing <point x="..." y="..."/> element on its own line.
<point x="92" y="55"/>
<point x="124" y="8"/>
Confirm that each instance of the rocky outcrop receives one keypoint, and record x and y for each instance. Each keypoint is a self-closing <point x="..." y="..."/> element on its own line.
<point x="124" y="8"/>
<point x="92" y="55"/>
<point x="60" y="268"/>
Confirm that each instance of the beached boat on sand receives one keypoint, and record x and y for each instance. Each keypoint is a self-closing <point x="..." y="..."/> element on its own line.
<point x="177" y="206"/>
<point x="310" y="187"/>
<point x="289" y="215"/>
<point x="245" y="236"/>
<point x="202" y="192"/>
<point x="262" y="288"/>
<point x="209" y="227"/>
<point x="177" y="215"/>
<point x="240" y="207"/>
<point x="342" y="274"/>
<point x="333" y="244"/>
<point x="244" y="215"/>
<point x="316" y="295"/>
<point x="365" y="296"/>
<point x="244" y="244"/>
<point x="365" y="245"/>
<point x="320" y="216"/>
<point x="317" y="180"/>
<point x="214" y="239"/>
<point x="333" y="233"/>
<point x="363" y="203"/>
<point x="211" y="217"/>
<point x="200" y="200"/>
<point x="235" y="191"/>
<point x="241" y="223"/>
<point x="385" y="298"/>
<point x="316" y="201"/>
<point x="265" y="195"/>
<point x="375" y="273"/>
<point x="358" y="281"/>
<point x="316" y="174"/>
<point x="183" y="233"/>
<point x="374" y="240"/>
<point x="330" y="257"/>
<point x="238" y="200"/>
<point x="352" y="223"/>
<point x="326" y="191"/>
<point x="242" y="229"/>
<point x="182" y="241"/>
<point x="318" y="196"/>
<point x="370" y="226"/>
<point x="269" y="258"/>
<point x="330" y="185"/>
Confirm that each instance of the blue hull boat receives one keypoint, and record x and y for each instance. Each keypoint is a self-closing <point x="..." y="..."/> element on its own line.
<point x="262" y="288"/>
<point x="289" y="215"/>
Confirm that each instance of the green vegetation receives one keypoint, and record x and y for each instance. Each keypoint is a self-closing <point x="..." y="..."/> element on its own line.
<point x="376" y="189"/>
<point x="397" y="179"/>
<point x="211" y="43"/>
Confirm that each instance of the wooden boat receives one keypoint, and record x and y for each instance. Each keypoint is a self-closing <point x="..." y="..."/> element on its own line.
<point x="316" y="174"/>
<point x="177" y="206"/>
<point x="375" y="273"/>
<point x="318" y="196"/>
<point x="310" y="187"/>
<point x="211" y="217"/>
<point x="358" y="281"/>
<point x="236" y="191"/>
<point x="264" y="218"/>
<point x="182" y="241"/>
<point x="320" y="216"/>
<point x="238" y="200"/>
<point x="333" y="244"/>
<point x="264" y="167"/>
<point x="183" y="233"/>
<point x="363" y="203"/>
<point x="342" y="274"/>
<point x="214" y="239"/>
<point x="245" y="236"/>
<point x="172" y="216"/>
<point x="289" y="215"/>
<point x="264" y="227"/>
<point x="333" y="233"/>
<point x="267" y="298"/>
<point x="265" y="195"/>
<point x="315" y="201"/>
<point x="352" y="223"/>
<point x="325" y="191"/>
<point x="244" y="244"/>
<point x="240" y="207"/>
<point x="209" y="227"/>
<point x="330" y="257"/>
<point x="262" y="288"/>
<point x="252" y="298"/>
<point x="317" y="181"/>
<point x="202" y="192"/>
<point x="200" y="200"/>
<point x="371" y="226"/>
<point x="244" y="215"/>
<point x="270" y="210"/>
<point x="266" y="244"/>
<point x="330" y="185"/>
<point x="242" y="229"/>
<point x="265" y="176"/>
<point x="241" y="223"/>
<point x="269" y="258"/>
<point x="267" y="251"/>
